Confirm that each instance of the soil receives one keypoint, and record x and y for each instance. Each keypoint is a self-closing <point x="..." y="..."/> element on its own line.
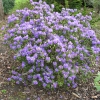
<point x="12" y="91"/>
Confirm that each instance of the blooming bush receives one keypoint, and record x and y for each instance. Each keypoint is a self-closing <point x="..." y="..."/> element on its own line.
<point x="55" y="49"/>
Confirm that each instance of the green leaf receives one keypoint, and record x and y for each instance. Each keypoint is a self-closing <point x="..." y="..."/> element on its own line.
<point x="3" y="91"/>
<point x="98" y="88"/>
<point x="96" y="79"/>
<point x="97" y="84"/>
<point x="60" y="84"/>
<point x="48" y="85"/>
<point x="98" y="74"/>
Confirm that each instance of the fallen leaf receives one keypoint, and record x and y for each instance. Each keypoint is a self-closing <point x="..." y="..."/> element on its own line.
<point x="8" y="67"/>
<point x="94" y="97"/>
<point x="75" y="95"/>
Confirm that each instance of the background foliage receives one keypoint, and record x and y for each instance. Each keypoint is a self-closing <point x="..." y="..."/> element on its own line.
<point x="75" y="4"/>
<point x="8" y="4"/>
<point x="97" y="5"/>
<point x="59" y="4"/>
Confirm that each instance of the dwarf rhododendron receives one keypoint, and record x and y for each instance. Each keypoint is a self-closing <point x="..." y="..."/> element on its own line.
<point x="52" y="47"/>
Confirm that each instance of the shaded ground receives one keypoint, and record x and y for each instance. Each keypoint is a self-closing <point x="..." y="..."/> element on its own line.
<point x="11" y="91"/>
<point x="84" y="91"/>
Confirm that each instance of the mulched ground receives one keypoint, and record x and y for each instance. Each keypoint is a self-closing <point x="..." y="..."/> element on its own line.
<point x="84" y="91"/>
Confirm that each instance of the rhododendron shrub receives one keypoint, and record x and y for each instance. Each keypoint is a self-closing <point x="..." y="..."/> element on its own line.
<point x="55" y="49"/>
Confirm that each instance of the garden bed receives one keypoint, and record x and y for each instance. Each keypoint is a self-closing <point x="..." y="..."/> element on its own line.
<point x="11" y="91"/>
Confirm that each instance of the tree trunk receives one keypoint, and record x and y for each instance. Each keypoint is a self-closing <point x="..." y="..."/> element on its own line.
<point x="1" y="10"/>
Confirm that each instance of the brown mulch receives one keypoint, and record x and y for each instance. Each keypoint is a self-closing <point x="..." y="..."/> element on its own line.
<point x="84" y="91"/>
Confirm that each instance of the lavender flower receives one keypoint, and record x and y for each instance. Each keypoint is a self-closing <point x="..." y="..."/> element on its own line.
<point x="55" y="63"/>
<point x="9" y="79"/>
<point x="3" y="28"/>
<point x="66" y="65"/>
<point x="31" y="70"/>
<point x="70" y="78"/>
<point x="52" y="5"/>
<point x="48" y="58"/>
<point x="17" y="82"/>
<point x="38" y="49"/>
<point x="56" y="70"/>
<point x="54" y="85"/>
<point x="44" y="84"/>
<point x="68" y="84"/>
<point x="35" y="82"/>
<point x="18" y="38"/>
<point x="60" y="67"/>
<point x="38" y="98"/>
<point x="23" y="64"/>
<point x="37" y="69"/>
<point x="20" y="79"/>
<point x="40" y="79"/>
<point x="65" y="76"/>
<point x="34" y="77"/>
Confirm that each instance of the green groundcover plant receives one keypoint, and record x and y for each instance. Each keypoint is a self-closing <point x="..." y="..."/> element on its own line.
<point x="97" y="81"/>
<point x="54" y="49"/>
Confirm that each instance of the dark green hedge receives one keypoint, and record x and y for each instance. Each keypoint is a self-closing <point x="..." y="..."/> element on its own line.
<point x="75" y="4"/>
<point x="8" y="4"/>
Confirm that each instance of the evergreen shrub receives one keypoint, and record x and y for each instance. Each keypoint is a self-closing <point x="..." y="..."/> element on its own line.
<point x="8" y="5"/>
<point x="75" y="4"/>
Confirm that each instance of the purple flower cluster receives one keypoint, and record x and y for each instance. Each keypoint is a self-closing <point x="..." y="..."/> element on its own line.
<point x="51" y="43"/>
